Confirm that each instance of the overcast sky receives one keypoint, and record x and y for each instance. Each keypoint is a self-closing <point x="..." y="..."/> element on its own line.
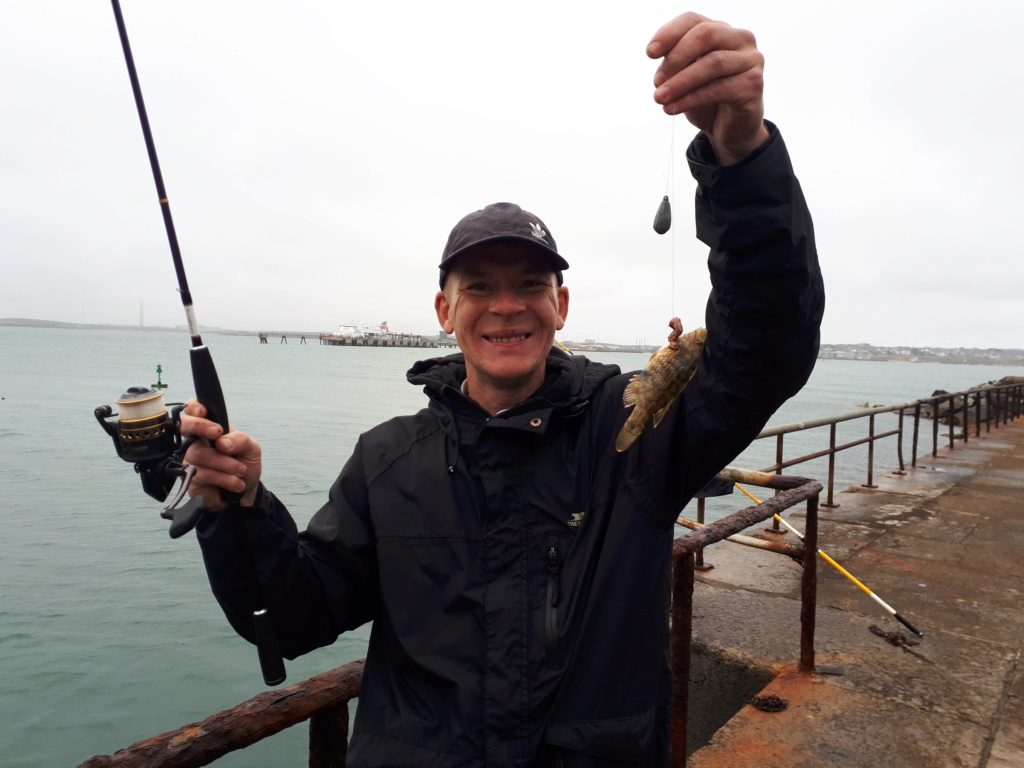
<point x="316" y="154"/>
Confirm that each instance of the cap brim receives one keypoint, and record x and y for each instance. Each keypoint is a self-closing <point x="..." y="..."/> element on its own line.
<point x="557" y="262"/>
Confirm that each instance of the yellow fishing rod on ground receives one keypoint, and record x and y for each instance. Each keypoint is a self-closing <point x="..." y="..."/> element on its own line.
<point x="843" y="571"/>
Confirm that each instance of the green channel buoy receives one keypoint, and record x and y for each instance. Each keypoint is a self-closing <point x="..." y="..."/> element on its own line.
<point x="159" y="371"/>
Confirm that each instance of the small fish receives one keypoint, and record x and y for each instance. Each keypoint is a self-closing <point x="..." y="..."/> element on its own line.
<point x="663" y="379"/>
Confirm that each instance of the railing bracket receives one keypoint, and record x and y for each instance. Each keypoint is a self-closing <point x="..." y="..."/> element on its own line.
<point x="832" y="671"/>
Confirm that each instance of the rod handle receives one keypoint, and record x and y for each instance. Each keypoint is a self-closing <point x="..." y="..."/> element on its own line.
<point x="271" y="662"/>
<point x="210" y="394"/>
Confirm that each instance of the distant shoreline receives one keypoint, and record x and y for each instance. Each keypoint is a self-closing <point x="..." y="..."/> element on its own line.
<point x="922" y="354"/>
<point x="23" y="322"/>
<point x="861" y="352"/>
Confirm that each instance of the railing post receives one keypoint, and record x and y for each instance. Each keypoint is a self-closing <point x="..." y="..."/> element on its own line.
<point x="698" y="561"/>
<point x="936" y="403"/>
<point x="871" y="453"/>
<point x="966" y="417"/>
<point x="328" y="736"/>
<point x="809" y="587"/>
<point x="917" y="424"/>
<point x="949" y="418"/>
<point x="899" y="445"/>
<point x="779" y="454"/>
<point x="831" y="465"/>
<point x="682" y="630"/>
<point x="977" y="414"/>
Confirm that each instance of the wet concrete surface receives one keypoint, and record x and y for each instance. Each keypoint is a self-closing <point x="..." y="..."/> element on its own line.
<point x="943" y="544"/>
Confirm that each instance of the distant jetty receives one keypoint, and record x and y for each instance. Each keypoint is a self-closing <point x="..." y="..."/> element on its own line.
<point x="380" y="340"/>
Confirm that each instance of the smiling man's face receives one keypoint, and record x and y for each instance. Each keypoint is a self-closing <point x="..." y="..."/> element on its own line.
<point x="503" y="303"/>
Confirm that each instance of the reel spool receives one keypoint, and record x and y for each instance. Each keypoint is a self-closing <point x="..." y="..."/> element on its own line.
<point x="147" y="434"/>
<point x="142" y="425"/>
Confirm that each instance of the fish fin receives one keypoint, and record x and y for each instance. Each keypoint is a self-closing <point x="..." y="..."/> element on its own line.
<point x="629" y="395"/>
<point x="661" y="414"/>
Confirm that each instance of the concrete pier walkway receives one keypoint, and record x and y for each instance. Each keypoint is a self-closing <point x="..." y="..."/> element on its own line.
<point x="944" y="546"/>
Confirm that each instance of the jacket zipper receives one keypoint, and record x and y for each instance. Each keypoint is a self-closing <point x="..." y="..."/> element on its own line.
<point x="552" y="640"/>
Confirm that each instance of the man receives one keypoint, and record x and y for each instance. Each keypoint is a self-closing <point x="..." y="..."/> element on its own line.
<point x="514" y="565"/>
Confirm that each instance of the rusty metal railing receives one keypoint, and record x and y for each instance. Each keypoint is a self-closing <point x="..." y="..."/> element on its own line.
<point x="1002" y="404"/>
<point x="323" y="700"/>
<point x="791" y="491"/>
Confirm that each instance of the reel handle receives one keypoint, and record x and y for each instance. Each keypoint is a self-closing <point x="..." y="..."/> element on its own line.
<point x="183" y="519"/>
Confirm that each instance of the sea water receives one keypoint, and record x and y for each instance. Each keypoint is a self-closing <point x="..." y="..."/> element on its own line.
<point x="108" y="631"/>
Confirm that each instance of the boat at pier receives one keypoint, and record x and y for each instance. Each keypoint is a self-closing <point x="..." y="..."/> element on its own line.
<point x="347" y="330"/>
<point x="351" y="335"/>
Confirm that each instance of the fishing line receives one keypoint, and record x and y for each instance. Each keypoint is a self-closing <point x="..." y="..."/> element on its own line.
<point x="663" y="217"/>
<point x="672" y="192"/>
<point x="669" y="176"/>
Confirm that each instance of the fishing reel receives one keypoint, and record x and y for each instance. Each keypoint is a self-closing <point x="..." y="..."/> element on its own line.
<point x="147" y="434"/>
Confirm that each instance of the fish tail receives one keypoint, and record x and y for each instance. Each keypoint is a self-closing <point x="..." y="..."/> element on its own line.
<point x="629" y="433"/>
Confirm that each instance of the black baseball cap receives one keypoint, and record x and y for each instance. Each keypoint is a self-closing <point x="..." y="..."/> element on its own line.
<point x="500" y="221"/>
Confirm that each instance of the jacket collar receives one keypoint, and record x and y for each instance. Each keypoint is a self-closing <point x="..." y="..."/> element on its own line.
<point x="570" y="381"/>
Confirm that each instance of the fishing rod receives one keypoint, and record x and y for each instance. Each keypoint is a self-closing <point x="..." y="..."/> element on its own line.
<point x="147" y="434"/>
<point x="843" y="571"/>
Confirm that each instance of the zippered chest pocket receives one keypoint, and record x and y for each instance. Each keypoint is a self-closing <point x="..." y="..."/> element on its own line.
<point x="554" y="643"/>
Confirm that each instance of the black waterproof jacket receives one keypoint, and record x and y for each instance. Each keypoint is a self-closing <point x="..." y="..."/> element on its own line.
<point x="515" y="567"/>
